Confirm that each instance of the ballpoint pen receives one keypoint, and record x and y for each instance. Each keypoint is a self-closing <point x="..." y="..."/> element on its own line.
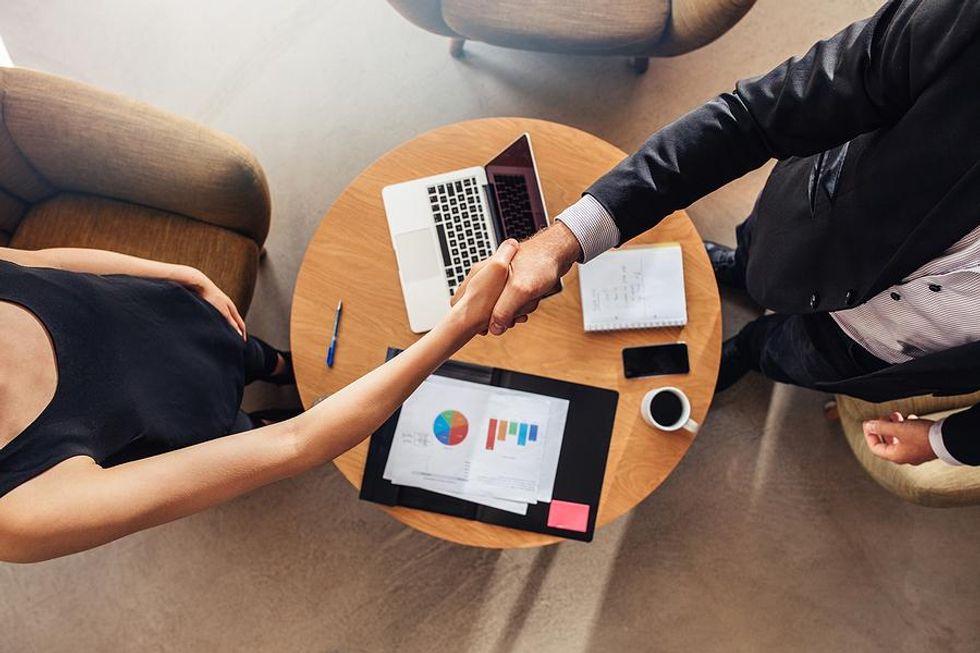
<point x="333" y="341"/>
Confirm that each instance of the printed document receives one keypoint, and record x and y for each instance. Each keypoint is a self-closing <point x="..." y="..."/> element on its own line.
<point x="494" y="446"/>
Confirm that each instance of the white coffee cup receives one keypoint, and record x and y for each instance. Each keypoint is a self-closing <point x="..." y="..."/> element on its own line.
<point x="682" y="422"/>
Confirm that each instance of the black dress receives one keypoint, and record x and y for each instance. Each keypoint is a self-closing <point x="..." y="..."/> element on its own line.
<point x="144" y="367"/>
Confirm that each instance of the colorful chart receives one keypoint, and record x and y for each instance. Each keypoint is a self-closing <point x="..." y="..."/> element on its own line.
<point x="450" y="427"/>
<point x="499" y="429"/>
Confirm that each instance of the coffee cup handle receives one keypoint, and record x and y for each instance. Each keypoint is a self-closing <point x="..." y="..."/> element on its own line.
<point x="691" y="425"/>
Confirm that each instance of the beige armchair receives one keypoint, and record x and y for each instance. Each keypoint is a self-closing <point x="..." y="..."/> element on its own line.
<point x="931" y="484"/>
<point x="637" y="29"/>
<point x="80" y="167"/>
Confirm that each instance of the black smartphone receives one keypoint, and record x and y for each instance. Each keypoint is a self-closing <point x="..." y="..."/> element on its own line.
<point x="655" y="360"/>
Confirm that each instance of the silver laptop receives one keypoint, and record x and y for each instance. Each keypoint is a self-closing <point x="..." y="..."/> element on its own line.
<point x="441" y="225"/>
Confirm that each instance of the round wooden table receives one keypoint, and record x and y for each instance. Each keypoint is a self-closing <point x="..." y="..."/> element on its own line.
<point x="350" y="257"/>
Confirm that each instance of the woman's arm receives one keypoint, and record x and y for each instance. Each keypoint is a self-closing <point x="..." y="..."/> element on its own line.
<point x="78" y="505"/>
<point x="98" y="261"/>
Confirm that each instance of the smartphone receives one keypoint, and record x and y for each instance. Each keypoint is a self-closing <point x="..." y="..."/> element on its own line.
<point x="655" y="360"/>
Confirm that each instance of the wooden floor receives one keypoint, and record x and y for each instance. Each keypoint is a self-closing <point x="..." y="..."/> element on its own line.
<point x="768" y="536"/>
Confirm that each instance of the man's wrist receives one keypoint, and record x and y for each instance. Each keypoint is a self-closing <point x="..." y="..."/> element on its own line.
<point x="938" y="445"/>
<point x="563" y="245"/>
<point x="593" y="227"/>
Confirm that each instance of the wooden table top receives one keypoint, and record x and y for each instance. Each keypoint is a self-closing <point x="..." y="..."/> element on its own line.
<point x="350" y="257"/>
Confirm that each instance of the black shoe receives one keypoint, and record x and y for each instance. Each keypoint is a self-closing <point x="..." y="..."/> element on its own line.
<point x="733" y="366"/>
<point x="273" y="416"/>
<point x="287" y="376"/>
<point x="723" y="263"/>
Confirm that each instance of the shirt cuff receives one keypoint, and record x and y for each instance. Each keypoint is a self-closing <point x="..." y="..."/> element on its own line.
<point x="938" y="446"/>
<point x="592" y="225"/>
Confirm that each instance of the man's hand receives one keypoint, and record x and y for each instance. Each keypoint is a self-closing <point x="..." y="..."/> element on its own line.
<point x="900" y="440"/>
<point x="484" y="284"/>
<point x="539" y="264"/>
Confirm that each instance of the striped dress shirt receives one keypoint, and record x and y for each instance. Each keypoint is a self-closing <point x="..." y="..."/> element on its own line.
<point x="934" y="308"/>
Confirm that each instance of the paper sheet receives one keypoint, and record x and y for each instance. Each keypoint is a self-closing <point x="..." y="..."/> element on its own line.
<point x="443" y="442"/>
<point x="634" y="288"/>
<point x="516" y="507"/>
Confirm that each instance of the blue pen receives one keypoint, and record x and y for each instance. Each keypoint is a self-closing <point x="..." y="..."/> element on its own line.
<point x="333" y="340"/>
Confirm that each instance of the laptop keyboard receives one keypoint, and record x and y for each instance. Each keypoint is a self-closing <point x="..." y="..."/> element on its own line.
<point x="515" y="206"/>
<point x="462" y="227"/>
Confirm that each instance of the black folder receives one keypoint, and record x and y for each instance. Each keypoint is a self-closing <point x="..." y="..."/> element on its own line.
<point x="581" y="464"/>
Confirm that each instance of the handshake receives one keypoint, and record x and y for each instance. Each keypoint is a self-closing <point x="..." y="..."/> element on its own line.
<point x="503" y="290"/>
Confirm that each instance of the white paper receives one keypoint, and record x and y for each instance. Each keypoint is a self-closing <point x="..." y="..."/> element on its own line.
<point x="516" y="507"/>
<point x="557" y="416"/>
<point x="633" y="288"/>
<point x="516" y="469"/>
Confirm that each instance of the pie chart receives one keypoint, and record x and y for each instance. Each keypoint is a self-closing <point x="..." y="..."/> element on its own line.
<point x="450" y="427"/>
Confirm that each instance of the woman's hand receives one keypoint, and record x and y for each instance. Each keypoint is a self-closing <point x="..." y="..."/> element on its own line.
<point x="199" y="283"/>
<point x="482" y="287"/>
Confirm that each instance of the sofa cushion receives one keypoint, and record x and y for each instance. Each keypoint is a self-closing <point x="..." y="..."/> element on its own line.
<point x="73" y="220"/>
<point x="584" y="26"/>
<point x="11" y="210"/>
<point x="933" y="483"/>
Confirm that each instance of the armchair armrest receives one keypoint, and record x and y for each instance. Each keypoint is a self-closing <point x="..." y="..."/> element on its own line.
<point x="695" y="23"/>
<point x="82" y="139"/>
<point x="426" y="14"/>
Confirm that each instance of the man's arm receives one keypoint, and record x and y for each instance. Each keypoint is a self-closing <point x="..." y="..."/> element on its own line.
<point x="913" y="440"/>
<point x="956" y="439"/>
<point x="863" y="78"/>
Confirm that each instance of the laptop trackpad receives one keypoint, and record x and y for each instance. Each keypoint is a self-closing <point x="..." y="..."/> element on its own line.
<point x="418" y="256"/>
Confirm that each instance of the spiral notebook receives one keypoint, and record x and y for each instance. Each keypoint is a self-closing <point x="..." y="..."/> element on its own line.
<point x="634" y="288"/>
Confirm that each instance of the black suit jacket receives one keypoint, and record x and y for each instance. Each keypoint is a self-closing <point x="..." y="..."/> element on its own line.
<point x="877" y="132"/>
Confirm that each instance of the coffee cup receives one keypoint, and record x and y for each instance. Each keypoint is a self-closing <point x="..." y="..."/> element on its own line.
<point x="668" y="409"/>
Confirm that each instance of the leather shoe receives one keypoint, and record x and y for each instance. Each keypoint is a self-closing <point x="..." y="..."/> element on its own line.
<point x="733" y="366"/>
<point x="723" y="263"/>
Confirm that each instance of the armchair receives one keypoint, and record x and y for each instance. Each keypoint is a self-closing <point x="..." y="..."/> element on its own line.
<point x="80" y="167"/>
<point x="637" y="29"/>
<point x="931" y="484"/>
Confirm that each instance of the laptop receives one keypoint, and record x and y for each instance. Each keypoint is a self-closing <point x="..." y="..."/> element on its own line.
<point x="441" y="225"/>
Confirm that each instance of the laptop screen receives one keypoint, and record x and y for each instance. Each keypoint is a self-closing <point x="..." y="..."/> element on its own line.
<point x="518" y="194"/>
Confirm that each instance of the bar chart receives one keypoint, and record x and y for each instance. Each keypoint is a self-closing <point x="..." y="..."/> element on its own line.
<point x="499" y="430"/>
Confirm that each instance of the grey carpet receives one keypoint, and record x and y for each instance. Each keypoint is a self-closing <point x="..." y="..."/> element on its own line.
<point x="768" y="536"/>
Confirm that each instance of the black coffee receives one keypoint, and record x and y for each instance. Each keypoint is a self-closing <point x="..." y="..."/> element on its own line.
<point x="666" y="408"/>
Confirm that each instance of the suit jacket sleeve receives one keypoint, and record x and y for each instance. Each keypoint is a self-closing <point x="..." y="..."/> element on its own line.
<point x="861" y="79"/>
<point x="961" y="435"/>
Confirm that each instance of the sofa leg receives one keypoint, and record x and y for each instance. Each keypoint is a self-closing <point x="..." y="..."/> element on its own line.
<point x="456" y="47"/>
<point x="639" y="64"/>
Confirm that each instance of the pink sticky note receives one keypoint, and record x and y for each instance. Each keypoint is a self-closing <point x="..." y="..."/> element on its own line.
<point x="569" y="516"/>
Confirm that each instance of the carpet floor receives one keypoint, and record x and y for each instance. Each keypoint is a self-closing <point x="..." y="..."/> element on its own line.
<point x="768" y="535"/>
